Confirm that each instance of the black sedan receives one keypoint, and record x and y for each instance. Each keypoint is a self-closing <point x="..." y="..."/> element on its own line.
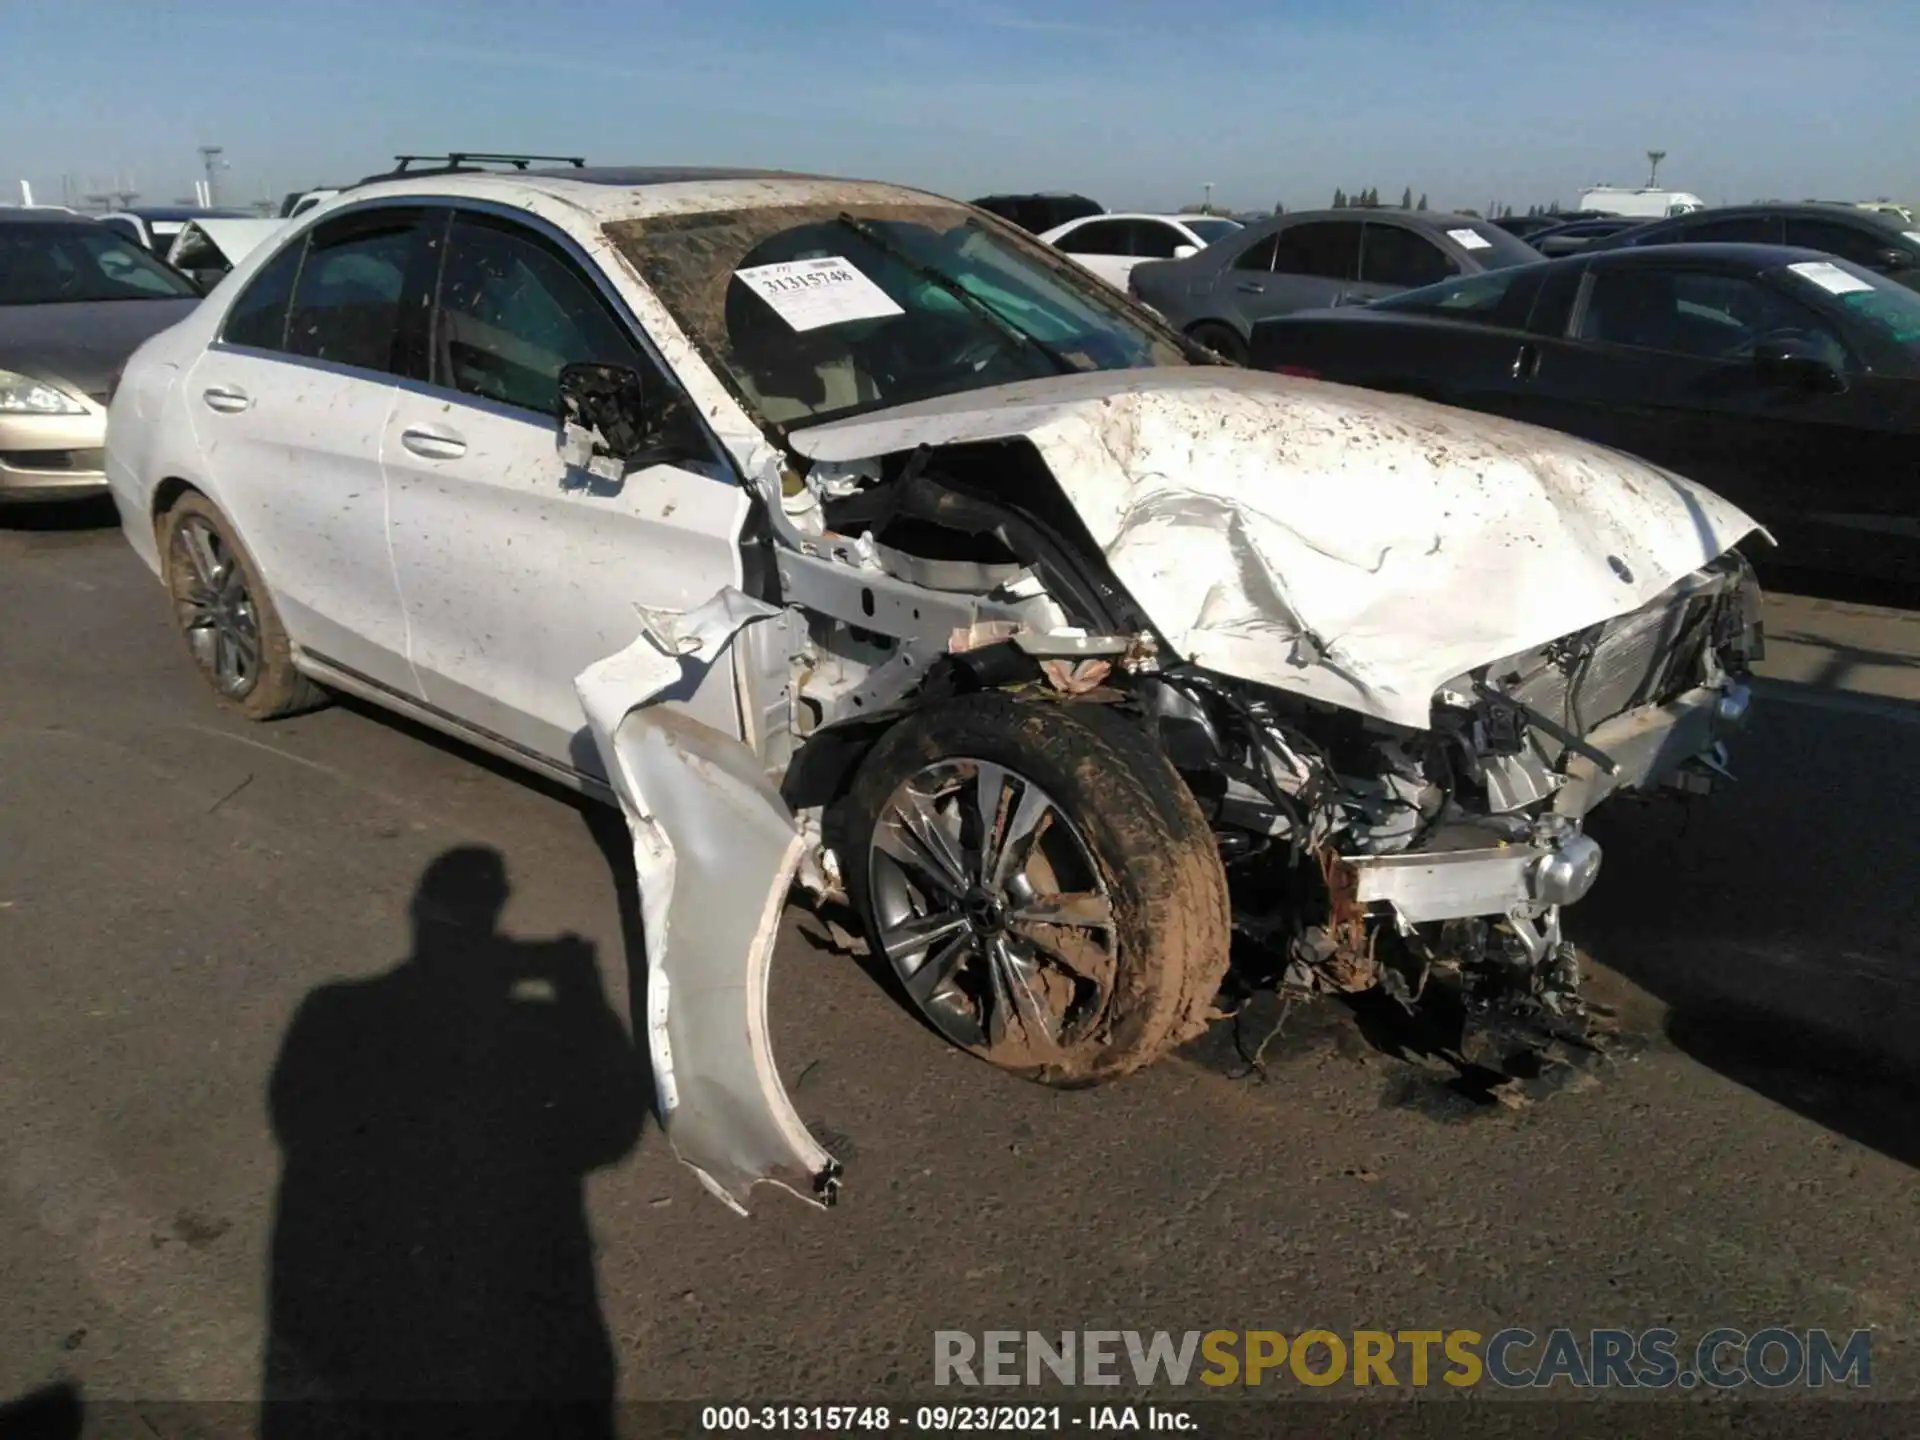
<point x="1871" y="238"/>
<point x="1787" y="380"/>
<point x="1579" y="234"/>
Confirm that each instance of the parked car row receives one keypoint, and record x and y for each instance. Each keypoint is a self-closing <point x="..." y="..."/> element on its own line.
<point x="1787" y="379"/>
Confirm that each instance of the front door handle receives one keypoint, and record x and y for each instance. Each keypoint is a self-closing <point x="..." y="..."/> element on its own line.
<point x="1250" y="287"/>
<point x="1526" y="362"/>
<point x="227" y="399"/>
<point x="434" y="444"/>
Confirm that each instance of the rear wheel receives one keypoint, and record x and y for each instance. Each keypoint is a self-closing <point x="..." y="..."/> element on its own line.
<point x="1222" y="339"/>
<point x="1041" y="884"/>
<point x="226" y="616"/>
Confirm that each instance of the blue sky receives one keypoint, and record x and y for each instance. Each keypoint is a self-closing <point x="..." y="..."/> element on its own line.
<point x="1137" y="104"/>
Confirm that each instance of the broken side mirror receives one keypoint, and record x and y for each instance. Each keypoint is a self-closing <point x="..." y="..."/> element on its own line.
<point x="1794" y="367"/>
<point x="612" y="422"/>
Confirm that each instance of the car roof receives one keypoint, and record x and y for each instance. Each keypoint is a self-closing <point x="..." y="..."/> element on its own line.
<point x="613" y="193"/>
<point x="1751" y="259"/>
<point x="1383" y="212"/>
<point x="183" y="212"/>
<point x="1817" y="210"/>
<point x="43" y="215"/>
<point x="1183" y="216"/>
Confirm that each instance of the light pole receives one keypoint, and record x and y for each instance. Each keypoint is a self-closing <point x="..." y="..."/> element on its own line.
<point x="213" y="164"/>
<point x="1207" y="205"/>
<point x="1654" y="157"/>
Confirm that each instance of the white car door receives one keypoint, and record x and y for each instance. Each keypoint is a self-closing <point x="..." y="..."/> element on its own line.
<point x="519" y="572"/>
<point x="289" y="407"/>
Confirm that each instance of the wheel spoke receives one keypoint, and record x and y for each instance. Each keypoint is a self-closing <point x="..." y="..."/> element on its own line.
<point x="246" y="649"/>
<point x="206" y="566"/>
<point x="923" y="841"/>
<point x="1089" y="909"/>
<point x="929" y="983"/>
<point x="917" y="932"/>
<point x="1045" y="952"/>
<point x="1015" y="981"/>
<point x="1008" y="855"/>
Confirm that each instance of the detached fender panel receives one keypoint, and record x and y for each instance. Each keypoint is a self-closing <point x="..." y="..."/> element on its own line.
<point x="715" y="850"/>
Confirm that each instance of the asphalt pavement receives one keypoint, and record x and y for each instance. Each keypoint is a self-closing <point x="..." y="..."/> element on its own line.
<point x="209" y="982"/>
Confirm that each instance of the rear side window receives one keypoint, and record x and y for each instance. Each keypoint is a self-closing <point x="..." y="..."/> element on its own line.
<point x="513" y="310"/>
<point x="347" y="303"/>
<point x="1100" y="237"/>
<point x="259" y="317"/>
<point x="1259" y="255"/>
<point x="1330" y="249"/>
<point x="1393" y="256"/>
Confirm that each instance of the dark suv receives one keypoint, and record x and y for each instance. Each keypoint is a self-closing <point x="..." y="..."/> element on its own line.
<point x="1037" y="214"/>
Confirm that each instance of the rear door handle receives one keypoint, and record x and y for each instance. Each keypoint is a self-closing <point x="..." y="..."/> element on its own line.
<point x="434" y="444"/>
<point x="227" y="399"/>
<point x="1526" y="362"/>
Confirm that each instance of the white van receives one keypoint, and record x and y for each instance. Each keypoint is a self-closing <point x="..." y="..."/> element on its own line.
<point x="1624" y="201"/>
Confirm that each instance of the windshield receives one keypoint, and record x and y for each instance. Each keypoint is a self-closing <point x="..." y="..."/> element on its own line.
<point x="817" y="311"/>
<point x="55" y="264"/>
<point x="1494" y="247"/>
<point x="1888" y="308"/>
<point x="1212" y="230"/>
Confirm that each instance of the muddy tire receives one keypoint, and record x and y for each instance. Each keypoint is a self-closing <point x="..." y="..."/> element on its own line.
<point x="224" y="612"/>
<point x="1040" y="882"/>
<point x="1222" y="339"/>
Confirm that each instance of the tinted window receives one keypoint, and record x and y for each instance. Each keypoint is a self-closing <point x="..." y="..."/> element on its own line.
<point x="1392" y="256"/>
<point x="1101" y="237"/>
<point x="259" y="316"/>
<point x="1732" y="230"/>
<point x="513" y="311"/>
<point x="52" y="263"/>
<point x="1259" y="255"/>
<point x="1714" y="317"/>
<point x="1210" y="230"/>
<point x="126" y="227"/>
<point x="1153" y="241"/>
<point x="1497" y="297"/>
<point x="1860" y="245"/>
<point x="1326" y="248"/>
<point x="346" y="306"/>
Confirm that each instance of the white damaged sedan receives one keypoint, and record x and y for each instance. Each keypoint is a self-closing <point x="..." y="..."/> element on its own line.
<point x="845" y="535"/>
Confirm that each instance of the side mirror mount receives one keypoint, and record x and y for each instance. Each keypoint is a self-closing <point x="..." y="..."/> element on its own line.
<point x="1794" y="367"/>
<point x="611" y="425"/>
<point x="1893" y="259"/>
<point x="1185" y="252"/>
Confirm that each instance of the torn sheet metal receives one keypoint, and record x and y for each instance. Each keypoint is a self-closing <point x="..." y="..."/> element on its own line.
<point x="1354" y="547"/>
<point x="715" y="850"/>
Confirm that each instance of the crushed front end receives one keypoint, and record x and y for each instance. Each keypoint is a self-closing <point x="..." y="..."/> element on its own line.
<point x="1364" y="855"/>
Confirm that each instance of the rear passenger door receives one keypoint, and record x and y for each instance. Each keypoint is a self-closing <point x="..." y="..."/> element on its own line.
<point x="289" y="406"/>
<point x="1311" y="266"/>
<point x="518" y="573"/>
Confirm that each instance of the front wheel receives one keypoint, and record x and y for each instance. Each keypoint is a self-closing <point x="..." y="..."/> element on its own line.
<point x="1042" y="884"/>
<point x="1223" y="340"/>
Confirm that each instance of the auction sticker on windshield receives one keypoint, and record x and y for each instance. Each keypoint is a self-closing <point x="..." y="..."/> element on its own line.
<point x="809" y="294"/>
<point x="1470" y="239"/>
<point x="1829" y="276"/>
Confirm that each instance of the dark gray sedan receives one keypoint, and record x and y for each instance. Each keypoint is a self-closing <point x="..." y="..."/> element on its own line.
<point x="76" y="299"/>
<point x="1313" y="260"/>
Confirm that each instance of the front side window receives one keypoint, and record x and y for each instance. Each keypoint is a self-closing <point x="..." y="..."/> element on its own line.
<point x="1330" y="249"/>
<point x="347" y="304"/>
<point x="1154" y="240"/>
<point x="1212" y="229"/>
<point x="1394" y="256"/>
<point x="54" y="263"/>
<point x="1698" y="314"/>
<point x="1098" y="237"/>
<point x="512" y="312"/>
<point x="1730" y="230"/>
<point x="814" y="311"/>
<point x="1858" y="244"/>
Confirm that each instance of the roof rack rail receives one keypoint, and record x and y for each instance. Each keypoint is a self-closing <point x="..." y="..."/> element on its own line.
<point x="464" y="159"/>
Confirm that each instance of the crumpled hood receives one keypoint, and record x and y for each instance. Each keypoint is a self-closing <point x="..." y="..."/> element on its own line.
<point x="84" y="343"/>
<point x="1355" y="547"/>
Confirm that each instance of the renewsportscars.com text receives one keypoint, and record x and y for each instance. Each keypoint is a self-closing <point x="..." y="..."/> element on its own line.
<point x="1725" y="1358"/>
